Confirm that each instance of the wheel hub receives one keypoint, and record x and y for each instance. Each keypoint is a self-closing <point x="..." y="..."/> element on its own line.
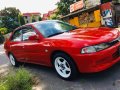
<point x="62" y="66"/>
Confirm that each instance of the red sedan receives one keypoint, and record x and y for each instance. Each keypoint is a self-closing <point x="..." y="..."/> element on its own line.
<point x="68" y="49"/>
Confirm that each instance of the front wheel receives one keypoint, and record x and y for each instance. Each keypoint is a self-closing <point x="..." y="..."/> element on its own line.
<point x="64" y="66"/>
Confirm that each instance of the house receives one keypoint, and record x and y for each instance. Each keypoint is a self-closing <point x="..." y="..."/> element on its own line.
<point x="46" y="16"/>
<point x="31" y="17"/>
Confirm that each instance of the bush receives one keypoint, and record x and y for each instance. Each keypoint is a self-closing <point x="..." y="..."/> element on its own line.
<point x="2" y="39"/>
<point x="3" y="30"/>
<point x="19" y="80"/>
<point x="21" y="20"/>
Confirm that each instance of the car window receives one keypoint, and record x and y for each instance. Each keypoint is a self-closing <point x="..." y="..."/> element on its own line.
<point x="48" y="29"/>
<point x="17" y="36"/>
<point x="27" y="32"/>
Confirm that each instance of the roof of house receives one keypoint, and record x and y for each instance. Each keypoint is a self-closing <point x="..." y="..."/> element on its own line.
<point x="32" y="13"/>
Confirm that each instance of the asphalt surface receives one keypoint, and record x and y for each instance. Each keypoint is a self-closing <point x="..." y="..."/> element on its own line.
<point x="106" y="80"/>
<point x="3" y="57"/>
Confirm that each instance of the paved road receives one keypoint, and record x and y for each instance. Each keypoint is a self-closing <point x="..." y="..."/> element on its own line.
<point x="3" y="58"/>
<point x="106" y="80"/>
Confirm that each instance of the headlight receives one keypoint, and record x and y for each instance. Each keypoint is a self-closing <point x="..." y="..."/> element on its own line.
<point x="95" y="48"/>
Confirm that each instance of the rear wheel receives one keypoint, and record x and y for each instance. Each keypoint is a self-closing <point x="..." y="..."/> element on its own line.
<point x="64" y="66"/>
<point x="13" y="60"/>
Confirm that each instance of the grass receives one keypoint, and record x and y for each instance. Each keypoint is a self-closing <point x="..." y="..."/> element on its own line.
<point x="21" y="79"/>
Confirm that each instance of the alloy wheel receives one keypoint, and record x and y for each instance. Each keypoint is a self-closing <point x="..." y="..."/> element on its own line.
<point x="62" y="67"/>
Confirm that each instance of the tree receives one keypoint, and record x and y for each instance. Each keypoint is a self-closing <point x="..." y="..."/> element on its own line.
<point x="3" y="30"/>
<point x="64" y="6"/>
<point x="33" y="18"/>
<point x="10" y="17"/>
<point x="40" y="19"/>
<point x="1" y="38"/>
<point x="21" y="20"/>
<point x="1" y="24"/>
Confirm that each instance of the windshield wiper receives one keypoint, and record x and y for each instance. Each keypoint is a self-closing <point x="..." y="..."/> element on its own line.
<point x="55" y="34"/>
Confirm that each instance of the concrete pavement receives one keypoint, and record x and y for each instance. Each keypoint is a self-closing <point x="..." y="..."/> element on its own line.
<point x="1" y="49"/>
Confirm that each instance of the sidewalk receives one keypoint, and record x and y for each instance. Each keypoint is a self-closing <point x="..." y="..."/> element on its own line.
<point x="2" y="49"/>
<point x="4" y="70"/>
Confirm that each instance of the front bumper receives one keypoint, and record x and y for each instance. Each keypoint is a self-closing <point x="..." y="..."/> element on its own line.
<point x="99" y="61"/>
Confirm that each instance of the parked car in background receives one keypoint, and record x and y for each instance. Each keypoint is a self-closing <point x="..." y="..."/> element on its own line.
<point x="68" y="49"/>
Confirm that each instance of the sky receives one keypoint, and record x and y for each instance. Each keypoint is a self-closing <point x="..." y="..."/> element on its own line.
<point x="42" y="6"/>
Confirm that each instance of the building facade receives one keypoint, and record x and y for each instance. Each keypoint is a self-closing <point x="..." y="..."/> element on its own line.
<point x="94" y="13"/>
<point x="31" y="17"/>
<point x="46" y="16"/>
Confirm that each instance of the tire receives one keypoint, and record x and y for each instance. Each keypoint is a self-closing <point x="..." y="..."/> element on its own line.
<point x="13" y="60"/>
<point x="64" y="66"/>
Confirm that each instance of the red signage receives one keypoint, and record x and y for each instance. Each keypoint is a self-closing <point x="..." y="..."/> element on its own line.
<point x="76" y="6"/>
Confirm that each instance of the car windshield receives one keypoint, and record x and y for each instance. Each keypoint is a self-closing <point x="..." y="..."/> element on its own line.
<point x="51" y="28"/>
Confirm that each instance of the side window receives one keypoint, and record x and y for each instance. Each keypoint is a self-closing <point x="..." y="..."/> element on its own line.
<point x="17" y="36"/>
<point x="27" y="32"/>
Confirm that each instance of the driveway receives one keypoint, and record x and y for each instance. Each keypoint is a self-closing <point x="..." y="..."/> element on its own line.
<point x="106" y="80"/>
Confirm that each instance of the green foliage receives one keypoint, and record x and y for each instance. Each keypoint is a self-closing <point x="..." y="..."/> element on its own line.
<point x="1" y="38"/>
<point x="10" y="17"/>
<point x="64" y="6"/>
<point x="33" y="18"/>
<point x="1" y="24"/>
<point x="19" y="80"/>
<point x="3" y="30"/>
<point x="40" y="19"/>
<point x="21" y="20"/>
<point x="104" y="1"/>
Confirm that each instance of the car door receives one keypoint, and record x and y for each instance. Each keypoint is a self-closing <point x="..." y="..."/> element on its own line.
<point x="32" y="48"/>
<point x="16" y="46"/>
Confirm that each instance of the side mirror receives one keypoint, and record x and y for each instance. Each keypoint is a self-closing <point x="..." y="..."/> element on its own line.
<point x="34" y="37"/>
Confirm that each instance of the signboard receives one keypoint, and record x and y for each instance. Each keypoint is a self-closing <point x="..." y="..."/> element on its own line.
<point x="106" y="10"/>
<point x="76" y="6"/>
<point x="91" y="3"/>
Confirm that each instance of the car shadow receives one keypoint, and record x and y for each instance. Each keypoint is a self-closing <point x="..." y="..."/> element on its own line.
<point x="105" y="79"/>
<point x="115" y="69"/>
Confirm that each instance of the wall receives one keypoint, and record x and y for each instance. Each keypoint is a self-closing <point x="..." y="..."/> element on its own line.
<point x="92" y="19"/>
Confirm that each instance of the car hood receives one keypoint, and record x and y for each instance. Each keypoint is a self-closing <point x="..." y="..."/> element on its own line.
<point x="89" y="35"/>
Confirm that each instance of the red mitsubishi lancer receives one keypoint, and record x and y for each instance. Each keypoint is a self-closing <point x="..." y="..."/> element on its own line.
<point x="68" y="49"/>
